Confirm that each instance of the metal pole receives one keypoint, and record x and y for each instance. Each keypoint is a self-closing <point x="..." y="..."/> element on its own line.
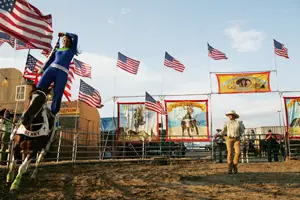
<point x="74" y="150"/>
<point x="279" y="118"/>
<point x="211" y="134"/>
<point x="58" y="148"/>
<point x="143" y="148"/>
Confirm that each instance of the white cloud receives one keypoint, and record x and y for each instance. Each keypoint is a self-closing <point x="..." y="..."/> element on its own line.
<point x="125" y="11"/>
<point x="244" y="41"/>
<point x="111" y="20"/>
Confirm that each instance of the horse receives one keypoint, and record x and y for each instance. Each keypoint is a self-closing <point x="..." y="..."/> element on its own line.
<point x="33" y="134"/>
<point x="188" y="123"/>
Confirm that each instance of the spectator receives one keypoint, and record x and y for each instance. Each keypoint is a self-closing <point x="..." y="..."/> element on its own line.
<point x="272" y="147"/>
<point x="218" y="144"/>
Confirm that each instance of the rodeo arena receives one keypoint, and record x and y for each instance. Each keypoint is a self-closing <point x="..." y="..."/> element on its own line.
<point x="151" y="146"/>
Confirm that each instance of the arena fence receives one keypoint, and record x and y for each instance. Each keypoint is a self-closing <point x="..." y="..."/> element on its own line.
<point x="75" y="147"/>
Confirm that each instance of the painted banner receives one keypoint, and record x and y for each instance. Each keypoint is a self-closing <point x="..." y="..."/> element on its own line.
<point x="187" y="120"/>
<point x="136" y="124"/>
<point x="244" y="82"/>
<point x="292" y="110"/>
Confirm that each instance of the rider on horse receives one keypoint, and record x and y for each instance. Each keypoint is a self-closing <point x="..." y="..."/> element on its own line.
<point x="56" y="69"/>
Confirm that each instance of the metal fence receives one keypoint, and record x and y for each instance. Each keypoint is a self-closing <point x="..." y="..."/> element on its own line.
<point x="71" y="146"/>
<point x="91" y="146"/>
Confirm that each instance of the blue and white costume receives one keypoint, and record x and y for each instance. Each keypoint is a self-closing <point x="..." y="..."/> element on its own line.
<point x="56" y="71"/>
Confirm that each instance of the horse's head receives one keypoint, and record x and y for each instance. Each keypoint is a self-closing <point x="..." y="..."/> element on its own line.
<point x="37" y="97"/>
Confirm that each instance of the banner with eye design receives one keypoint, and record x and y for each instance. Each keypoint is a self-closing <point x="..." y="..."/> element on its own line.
<point x="244" y="82"/>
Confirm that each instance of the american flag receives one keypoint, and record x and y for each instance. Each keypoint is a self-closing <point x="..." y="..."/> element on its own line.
<point x="215" y="54"/>
<point x="81" y="68"/>
<point x="89" y="95"/>
<point x="151" y="104"/>
<point x="173" y="63"/>
<point x="47" y="53"/>
<point x="21" y="45"/>
<point x="25" y="22"/>
<point x="4" y="37"/>
<point x="71" y="77"/>
<point x="128" y="64"/>
<point x="32" y="67"/>
<point x="280" y="50"/>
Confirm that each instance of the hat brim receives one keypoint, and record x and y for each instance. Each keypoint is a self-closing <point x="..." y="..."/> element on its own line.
<point x="236" y="115"/>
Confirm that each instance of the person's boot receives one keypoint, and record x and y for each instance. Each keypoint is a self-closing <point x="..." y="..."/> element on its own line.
<point x="229" y="168"/>
<point x="235" y="169"/>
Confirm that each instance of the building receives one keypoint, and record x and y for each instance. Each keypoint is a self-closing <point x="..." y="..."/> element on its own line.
<point x="13" y="90"/>
<point x="76" y="117"/>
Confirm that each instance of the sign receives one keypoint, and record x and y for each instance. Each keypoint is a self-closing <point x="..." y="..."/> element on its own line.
<point x="187" y="120"/>
<point x="292" y="110"/>
<point x="135" y="124"/>
<point x="244" y="82"/>
<point x="69" y="111"/>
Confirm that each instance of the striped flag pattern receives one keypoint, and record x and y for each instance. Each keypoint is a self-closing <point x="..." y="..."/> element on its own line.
<point x="280" y="50"/>
<point x="215" y="54"/>
<point x="32" y="67"/>
<point x="82" y="69"/>
<point x="21" y="45"/>
<point x="31" y="73"/>
<point x="151" y="104"/>
<point x="4" y="37"/>
<point x="128" y="64"/>
<point x="25" y="22"/>
<point x="53" y="50"/>
<point x="89" y="95"/>
<point x="173" y="63"/>
<point x="67" y="91"/>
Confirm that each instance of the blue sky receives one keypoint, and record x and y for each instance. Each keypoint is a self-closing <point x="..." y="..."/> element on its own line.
<point x="144" y="30"/>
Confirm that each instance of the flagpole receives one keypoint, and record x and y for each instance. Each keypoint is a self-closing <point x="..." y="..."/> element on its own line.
<point x="281" y="106"/>
<point x="162" y="80"/>
<point x="210" y="103"/>
<point x="114" y="110"/>
<point x="276" y="71"/>
<point x="280" y="93"/>
<point x="161" y="128"/>
<point x="10" y="148"/>
<point x="74" y="149"/>
<point x="161" y="117"/>
<point x="17" y="104"/>
<point x="209" y="74"/>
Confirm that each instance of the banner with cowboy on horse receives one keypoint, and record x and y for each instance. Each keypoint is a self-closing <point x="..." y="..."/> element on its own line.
<point x="136" y="124"/>
<point x="292" y="109"/>
<point x="187" y="120"/>
<point x="244" y="82"/>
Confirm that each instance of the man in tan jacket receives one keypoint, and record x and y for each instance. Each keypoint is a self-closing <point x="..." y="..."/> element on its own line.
<point x="233" y="130"/>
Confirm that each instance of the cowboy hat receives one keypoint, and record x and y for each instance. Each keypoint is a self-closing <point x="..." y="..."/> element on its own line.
<point x="232" y="112"/>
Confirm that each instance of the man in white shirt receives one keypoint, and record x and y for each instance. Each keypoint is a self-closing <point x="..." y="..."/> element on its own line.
<point x="233" y="130"/>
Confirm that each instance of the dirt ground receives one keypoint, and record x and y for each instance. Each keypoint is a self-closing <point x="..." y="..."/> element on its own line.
<point x="176" y="180"/>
